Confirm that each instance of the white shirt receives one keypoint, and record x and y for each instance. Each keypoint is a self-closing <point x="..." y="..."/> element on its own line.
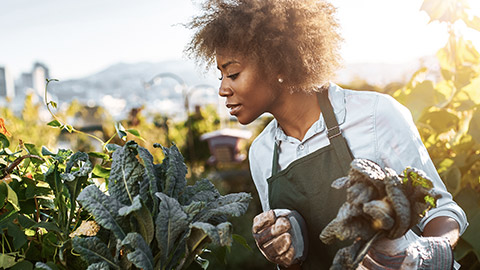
<point x="375" y="126"/>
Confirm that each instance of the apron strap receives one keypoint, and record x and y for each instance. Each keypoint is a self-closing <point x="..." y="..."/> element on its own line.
<point x="275" y="166"/>
<point x="334" y="133"/>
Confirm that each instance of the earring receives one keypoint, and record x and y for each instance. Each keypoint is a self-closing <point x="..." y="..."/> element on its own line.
<point x="280" y="80"/>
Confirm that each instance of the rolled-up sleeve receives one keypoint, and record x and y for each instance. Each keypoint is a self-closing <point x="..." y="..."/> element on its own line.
<point x="399" y="145"/>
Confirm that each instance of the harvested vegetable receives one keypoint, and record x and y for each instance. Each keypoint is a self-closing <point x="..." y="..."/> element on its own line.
<point x="379" y="202"/>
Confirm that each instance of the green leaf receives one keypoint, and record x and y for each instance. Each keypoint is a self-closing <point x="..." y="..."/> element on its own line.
<point x="3" y="194"/>
<point x="100" y="172"/>
<point x="140" y="255"/>
<point x="22" y="265"/>
<point x="83" y="171"/>
<point x="171" y="222"/>
<point x="32" y="150"/>
<point x="11" y="197"/>
<point x="145" y="222"/>
<point x="54" y="123"/>
<point x="61" y="155"/>
<point x="50" y="226"/>
<point x="127" y="210"/>
<point x="242" y="241"/>
<point x="104" y="208"/>
<point x="93" y="251"/>
<point x="17" y="234"/>
<point x="134" y="132"/>
<point x="125" y="175"/>
<point x="152" y="180"/>
<point x="46" y="152"/>
<point x="8" y="260"/>
<point x="175" y="170"/>
<point x="193" y="208"/>
<point x="100" y="155"/>
<point x="4" y="142"/>
<point x="54" y="104"/>
<point x="203" y="191"/>
<point x="474" y="126"/>
<point x="99" y="266"/>
<point x="49" y="245"/>
<point x="219" y="235"/>
<point x="25" y="221"/>
<point x="234" y="204"/>
<point x="112" y="147"/>
<point x="120" y="131"/>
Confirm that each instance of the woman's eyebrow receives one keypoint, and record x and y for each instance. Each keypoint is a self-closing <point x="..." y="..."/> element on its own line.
<point x="228" y="63"/>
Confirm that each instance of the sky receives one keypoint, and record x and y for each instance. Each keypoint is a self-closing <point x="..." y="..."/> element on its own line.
<point x="78" y="38"/>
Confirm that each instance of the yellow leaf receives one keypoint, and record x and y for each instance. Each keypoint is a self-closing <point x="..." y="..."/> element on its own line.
<point x="473" y="90"/>
<point x="466" y="52"/>
<point x="445" y="10"/>
<point x="473" y="22"/>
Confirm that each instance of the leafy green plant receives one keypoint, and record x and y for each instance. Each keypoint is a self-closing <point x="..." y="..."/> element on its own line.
<point x="150" y="218"/>
<point x="38" y="208"/>
<point x="447" y="114"/>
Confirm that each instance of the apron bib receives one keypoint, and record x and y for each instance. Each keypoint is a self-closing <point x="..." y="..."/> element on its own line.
<point x="304" y="186"/>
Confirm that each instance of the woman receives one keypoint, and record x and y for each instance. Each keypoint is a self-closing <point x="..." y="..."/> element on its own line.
<point x="277" y="56"/>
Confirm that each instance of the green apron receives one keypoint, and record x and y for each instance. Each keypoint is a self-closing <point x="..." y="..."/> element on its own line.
<point x="304" y="186"/>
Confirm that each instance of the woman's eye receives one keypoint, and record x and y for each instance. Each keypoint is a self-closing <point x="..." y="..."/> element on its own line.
<point x="221" y="77"/>
<point x="233" y="76"/>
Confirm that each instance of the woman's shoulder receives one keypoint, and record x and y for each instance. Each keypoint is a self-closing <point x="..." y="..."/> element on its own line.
<point x="383" y="105"/>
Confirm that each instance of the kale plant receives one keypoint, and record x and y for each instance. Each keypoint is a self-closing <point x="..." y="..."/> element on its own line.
<point x="150" y="218"/>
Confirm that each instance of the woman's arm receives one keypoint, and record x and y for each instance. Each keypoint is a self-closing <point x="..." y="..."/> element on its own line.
<point x="443" y="227"/>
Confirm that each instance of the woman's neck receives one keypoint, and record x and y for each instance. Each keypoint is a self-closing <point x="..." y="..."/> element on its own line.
<point x="296" y="113"/>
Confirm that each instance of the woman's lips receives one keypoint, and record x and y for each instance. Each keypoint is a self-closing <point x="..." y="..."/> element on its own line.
<point x="234" y="108"/>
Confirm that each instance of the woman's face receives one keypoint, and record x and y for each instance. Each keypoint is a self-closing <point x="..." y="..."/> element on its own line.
<point x="248" y="95"/>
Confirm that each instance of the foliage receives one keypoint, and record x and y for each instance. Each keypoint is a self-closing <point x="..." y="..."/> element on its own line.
<point x="38" y="191"/>
<point x="447" y="114"/>
<point x="39" y="214"/>
<point x="200" y="122"/>
<point x="150" y="210"/>
<point x="28" y="125"/>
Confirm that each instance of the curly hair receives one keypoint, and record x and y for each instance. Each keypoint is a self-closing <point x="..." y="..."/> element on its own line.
<point x="297" y="39"/>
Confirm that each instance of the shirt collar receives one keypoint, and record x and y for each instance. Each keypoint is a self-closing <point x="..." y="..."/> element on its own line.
<point x="336" y="95"/>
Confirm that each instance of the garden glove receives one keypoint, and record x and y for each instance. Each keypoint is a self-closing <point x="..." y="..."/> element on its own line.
<point x="281" y="236"/>
<point x="410" y="252"/>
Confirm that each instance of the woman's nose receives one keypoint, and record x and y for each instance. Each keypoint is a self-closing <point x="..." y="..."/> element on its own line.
<point x="224" y="89"/>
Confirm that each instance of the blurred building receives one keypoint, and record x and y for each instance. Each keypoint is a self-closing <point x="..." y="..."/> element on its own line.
<point x="39" y="78"/>
<point x="7" y="89"/>
<point x="34" y="80"/>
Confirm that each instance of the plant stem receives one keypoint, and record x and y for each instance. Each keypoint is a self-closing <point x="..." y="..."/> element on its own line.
<point x="47" y="103"/>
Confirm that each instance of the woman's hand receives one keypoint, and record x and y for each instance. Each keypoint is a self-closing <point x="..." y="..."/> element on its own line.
<point x="432" y="251"/>
<point x="422" y="253"/>
<point x="279" y="240"/>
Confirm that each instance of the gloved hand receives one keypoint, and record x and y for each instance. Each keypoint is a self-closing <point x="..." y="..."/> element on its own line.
<point x="281" y="236"/>
<point x="410" y="252"/>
